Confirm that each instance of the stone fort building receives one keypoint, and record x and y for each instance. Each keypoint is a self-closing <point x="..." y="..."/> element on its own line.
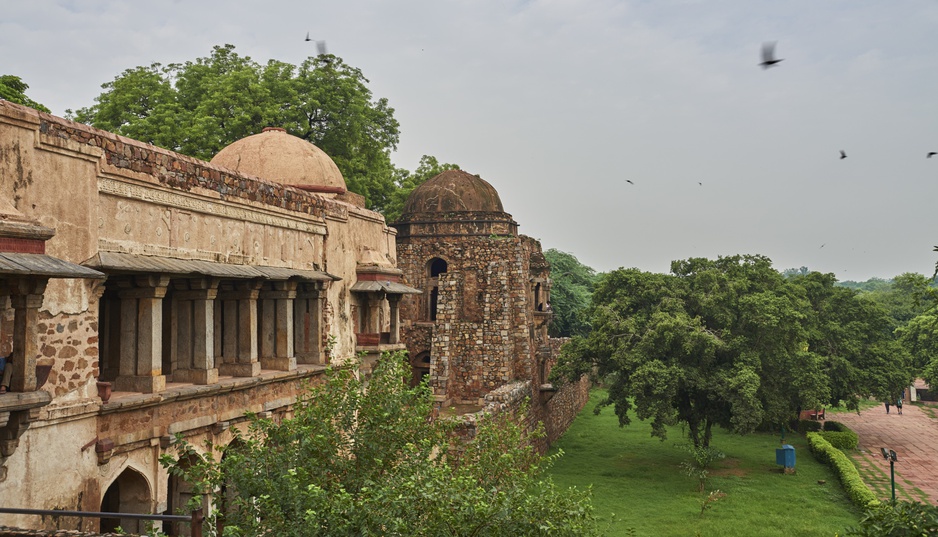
<point x="145" y="294"/>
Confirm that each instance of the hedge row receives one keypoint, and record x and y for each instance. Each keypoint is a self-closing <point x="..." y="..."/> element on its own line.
<point x="854" y="486"/>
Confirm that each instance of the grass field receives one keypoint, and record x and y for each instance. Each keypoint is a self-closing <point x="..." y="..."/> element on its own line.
<point x="640" y="489"/>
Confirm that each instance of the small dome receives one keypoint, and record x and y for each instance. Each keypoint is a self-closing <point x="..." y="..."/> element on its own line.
<point x="454" y="191"/>
<point x="280" y="157"/>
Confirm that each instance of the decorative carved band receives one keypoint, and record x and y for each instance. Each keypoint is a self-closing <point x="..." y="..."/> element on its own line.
<point x="179" y="200"/>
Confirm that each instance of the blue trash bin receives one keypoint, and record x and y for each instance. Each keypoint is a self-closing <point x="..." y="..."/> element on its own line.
<point x="785" y="456"/>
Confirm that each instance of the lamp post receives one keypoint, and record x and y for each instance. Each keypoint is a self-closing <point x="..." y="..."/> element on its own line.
<point x="890" y="456"/>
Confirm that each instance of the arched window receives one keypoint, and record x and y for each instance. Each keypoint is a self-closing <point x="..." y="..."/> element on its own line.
<point x="435" y="267"/>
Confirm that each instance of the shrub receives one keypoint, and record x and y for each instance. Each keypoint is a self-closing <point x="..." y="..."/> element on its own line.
<point x="842" y="440"/>
<point x="808" y="426"/>
<point x="853" y="485"/>
<point x="835" y="426"/>
<point x="899" y="519"/>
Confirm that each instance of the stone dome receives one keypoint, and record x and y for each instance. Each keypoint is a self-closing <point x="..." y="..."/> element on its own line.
<point x="454" y="191"/>
<point x="277" y="156"/>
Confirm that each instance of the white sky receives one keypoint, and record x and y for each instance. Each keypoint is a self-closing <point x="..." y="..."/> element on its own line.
<point x="558" y="102"/>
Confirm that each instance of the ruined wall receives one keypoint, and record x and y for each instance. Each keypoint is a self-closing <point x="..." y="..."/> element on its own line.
<point x="481" y="338"/>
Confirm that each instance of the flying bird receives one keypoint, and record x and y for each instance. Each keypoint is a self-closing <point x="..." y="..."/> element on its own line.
<point x="321" y="47"/>
<point x="930" y="153"/>
<point x="768" y="55"/>
<point x="629" y="181"/>
<point x="307" y="37"/>
<point x="842" y="154"/>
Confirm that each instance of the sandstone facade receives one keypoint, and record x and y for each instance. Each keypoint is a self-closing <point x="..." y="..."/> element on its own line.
<point x="146" y="294"/>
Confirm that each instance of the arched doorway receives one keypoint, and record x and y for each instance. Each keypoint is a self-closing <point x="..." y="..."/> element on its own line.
<point x="178" y="494"/>
<point x="420" y="368"/>
<point x="129" y="493"/>
<point x="435" y="267"/>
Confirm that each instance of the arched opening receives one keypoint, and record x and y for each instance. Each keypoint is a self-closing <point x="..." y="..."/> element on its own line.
<point x="129" y="493"/>
<point x="420" y="368"/>
<point x="435" y="267"/>
<point x="537" y="297"/>
<point x="178" y="494"/>
<point x="226" y="494"/>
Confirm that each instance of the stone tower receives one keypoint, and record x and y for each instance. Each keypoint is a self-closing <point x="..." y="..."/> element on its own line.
<point x="481" y="321"/>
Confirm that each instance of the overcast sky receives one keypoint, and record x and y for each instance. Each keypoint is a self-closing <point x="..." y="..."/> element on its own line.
<point x="558" y="103"/>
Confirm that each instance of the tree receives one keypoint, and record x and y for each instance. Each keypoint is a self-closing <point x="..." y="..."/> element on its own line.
<point x="732" y="343"/>
<point x="406" y="182"/>
<point x="907" y="295"/>
<point x="199" y="107"/>
<point x="570" y="293"/>
<point x="13" y="89"/>
<point x="855" y="336"/>
<point x="362" y="458"/>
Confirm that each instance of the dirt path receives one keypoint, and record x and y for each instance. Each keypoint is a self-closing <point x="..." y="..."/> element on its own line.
<point x="912" y="435"/>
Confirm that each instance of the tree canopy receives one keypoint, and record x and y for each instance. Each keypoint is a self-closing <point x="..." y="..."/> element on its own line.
<point x="13" y="89"/>
<point x="570" y="293"/>
<point x="732" y="343"/>
<point x="199" y="107"/>
<point x="362" y="458"/>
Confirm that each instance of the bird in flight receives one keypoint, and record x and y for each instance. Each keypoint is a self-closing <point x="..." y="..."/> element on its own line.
<point x="629" y="181"/>
<point x="930" y="153"/>
<point x="768" y="55"/>
<point x="320" y="45"/>
<point x="842" y="154"/>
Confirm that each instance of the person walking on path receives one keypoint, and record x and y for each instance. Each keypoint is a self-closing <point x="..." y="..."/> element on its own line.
<point x="887" y="407"/>
<point x="899" y="405"/>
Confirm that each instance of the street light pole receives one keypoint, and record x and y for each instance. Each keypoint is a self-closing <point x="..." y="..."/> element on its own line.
<point x="890" y="456"/>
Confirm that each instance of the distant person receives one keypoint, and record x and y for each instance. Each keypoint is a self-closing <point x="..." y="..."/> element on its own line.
<point x="6" y="365"/>
<point x="899" y="405"/>
<point x="887" y="407"/>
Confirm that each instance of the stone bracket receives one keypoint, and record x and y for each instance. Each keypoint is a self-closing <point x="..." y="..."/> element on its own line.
<point x="17" y="411"/>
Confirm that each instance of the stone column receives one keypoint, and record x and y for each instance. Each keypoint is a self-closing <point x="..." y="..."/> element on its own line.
<point x="277" y="345"/>
<point x="196" y="334"/>
<point x="141" y="347"/>
<point x="25" y="299"/>
<point x="394" y="301"/>
<point x="241" y="330"/>
<point x="307" y="324"/>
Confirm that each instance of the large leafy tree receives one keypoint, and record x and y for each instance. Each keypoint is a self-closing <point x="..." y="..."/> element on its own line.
<point x="570" y="293"/>
<point x="198" y="107"/>
<point x="362" y="458"/>
<point x="13" y="89"/>
<point x="855" y="336"/>
<point x="731" y="343"/>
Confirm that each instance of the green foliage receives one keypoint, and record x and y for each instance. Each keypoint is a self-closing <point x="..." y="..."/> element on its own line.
<point x="732" y="343"/>
<point x="570" y="294"/>
<point x="199" y="107"/>
<point x="713" y="497"/>
<point x="930" y="373"/>
<point x="809" y="426"/>
<point x="832" y="425"/>
<point x="13" y="89"/>
<point x="920" y="338"/>
<point x="850" y="478"/>
<point x="361" y="458"/>
<point x="897" y="519"/>
<point x="698" y="466"/>
<point x="842" y="440"/>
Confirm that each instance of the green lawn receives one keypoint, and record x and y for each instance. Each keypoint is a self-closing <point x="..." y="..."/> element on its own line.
<point x="638" y="483"/>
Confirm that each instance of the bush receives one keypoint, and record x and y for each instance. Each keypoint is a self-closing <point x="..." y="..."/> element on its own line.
<point x="899" y="519"/>
<point x="842" y="440"/>
<point x="808" y="426"/>
<point x="853" y="485"/>
<point x="835" y="426"/>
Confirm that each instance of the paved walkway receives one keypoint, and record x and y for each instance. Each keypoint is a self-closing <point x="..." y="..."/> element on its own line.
<point x="913" y="436"/>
